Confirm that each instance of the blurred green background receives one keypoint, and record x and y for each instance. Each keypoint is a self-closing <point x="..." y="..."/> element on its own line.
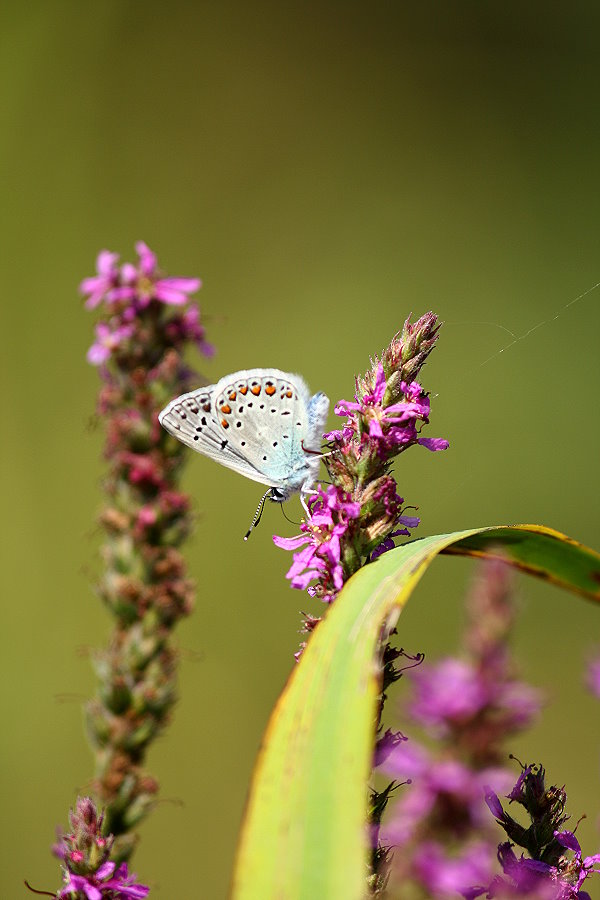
<point x="326" y="168"/>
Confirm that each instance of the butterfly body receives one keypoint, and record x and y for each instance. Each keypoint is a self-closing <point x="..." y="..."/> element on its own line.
<point x="262" y="423"/>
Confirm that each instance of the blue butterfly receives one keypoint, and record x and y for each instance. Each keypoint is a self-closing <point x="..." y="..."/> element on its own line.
<point x="262" y="423"/>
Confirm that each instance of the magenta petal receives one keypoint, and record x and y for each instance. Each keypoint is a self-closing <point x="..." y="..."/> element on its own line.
<point x="301" y="582"/>
<point x="494" y="804"/>
<point x="301" y="561"/>
<point x="322" y="518"/>
<point x="379" y="389"/>
<point x="187" y="285"/>
<point x="409" y="521"/>
<point x="567" y="839"/>
<point x="129" y="273"/>
<point x="121" y="293"/>
<point x="408" y="410"/>
<point x="169" y="295"/>
<point x="135" y="891"/>
<point x="375" y="428"/>
<point x="434" y="443"/>
<point x="344" y="407"/>
<point x="291" y="543"/>
<point x="205" y="348"/>
<point x="106" y="263"/>
<point x="105" y="870"/>
<point x="97" y="354"/>
<point x="147" y="258"/>
<point x="96" y="288"/>
<point x="338" y="577"/>
<point x="331" y="549"/>
<point x="411" y="390"/>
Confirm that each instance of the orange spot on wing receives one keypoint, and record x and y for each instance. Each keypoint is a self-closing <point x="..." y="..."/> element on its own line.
<point x="255" y="390"/>
<point x="226" y="409"/>
<point x="244" y="390"/>
<point x="232" y="395"/>
<point x="224" y="423"/>
<point x="270" y="389"/>
<point x="288" y="394"/>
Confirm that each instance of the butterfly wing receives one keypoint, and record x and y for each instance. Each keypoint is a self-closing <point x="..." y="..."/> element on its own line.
<point x="259" y="422"/>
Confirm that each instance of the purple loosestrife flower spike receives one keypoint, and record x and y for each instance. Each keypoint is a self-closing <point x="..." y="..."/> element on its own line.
<point x="99" y="286"/>
<point x="356" y="519"/>
<point x="147" y="320"/>
<point x="469" y="705"/>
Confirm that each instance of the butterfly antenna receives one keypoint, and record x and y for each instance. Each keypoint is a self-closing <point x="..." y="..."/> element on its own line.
<point x="257" y="514"/>
<point x="287" y="518"/>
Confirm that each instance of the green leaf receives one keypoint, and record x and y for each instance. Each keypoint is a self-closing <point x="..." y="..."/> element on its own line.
<point x="304" y="830"/>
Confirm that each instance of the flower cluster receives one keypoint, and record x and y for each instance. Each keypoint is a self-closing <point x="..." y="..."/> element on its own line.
<point x="469" y="705"/>
<point x="147" y="322"/>
<point x="549" y="872"/>
<point x="88" y="872"/>
<point x="358" y="516"/>
<point x="389" y="427"/>
<point x="127" y="291"/>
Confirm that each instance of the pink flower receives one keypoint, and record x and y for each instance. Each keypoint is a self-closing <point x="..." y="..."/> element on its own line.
<point x="331" y="515"/>
<point x="142" y="284"/>
<point x="139" y="284"/>
<point x="452" y="691"/>
<point x="391" y="427"/>
<point x="98" y="286"/>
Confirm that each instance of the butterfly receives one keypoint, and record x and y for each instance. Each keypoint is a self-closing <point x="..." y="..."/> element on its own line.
<point x="262" y="423"/>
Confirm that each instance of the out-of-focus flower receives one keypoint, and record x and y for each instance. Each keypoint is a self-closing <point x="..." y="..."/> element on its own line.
<point x="99" y="286"/>
<point x="470" y="705"/>
<point x="138" y="284"/>
<point x="146" y="323"/>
